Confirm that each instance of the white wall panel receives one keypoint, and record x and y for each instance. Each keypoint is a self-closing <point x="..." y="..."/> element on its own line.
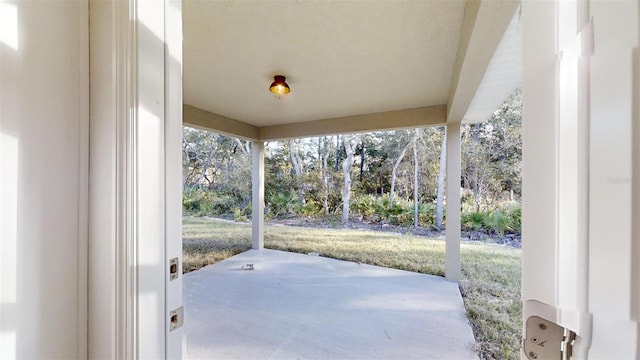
<point x="611" y="287"/>
<point x="44" y="124"/>
<point x="539" y="224"/>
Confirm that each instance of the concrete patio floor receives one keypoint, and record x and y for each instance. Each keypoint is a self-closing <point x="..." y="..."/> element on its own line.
<point x="294" y="306"/>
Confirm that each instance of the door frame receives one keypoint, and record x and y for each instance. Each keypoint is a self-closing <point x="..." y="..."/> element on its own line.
<point x="135" y="178"/>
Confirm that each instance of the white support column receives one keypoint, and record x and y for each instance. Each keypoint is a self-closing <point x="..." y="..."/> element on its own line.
<point x="257" y="194"/>
<point x="452" y="233"/>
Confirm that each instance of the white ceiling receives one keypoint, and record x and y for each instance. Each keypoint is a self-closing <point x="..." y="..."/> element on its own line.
<point x="340" y="58"/>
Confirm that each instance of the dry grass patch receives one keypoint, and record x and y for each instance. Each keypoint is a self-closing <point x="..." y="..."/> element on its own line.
<point x="206" y="241"/>
<point x="490" y="278"/>
<point x="490" y="287"/>
<point x="383" y="249"/>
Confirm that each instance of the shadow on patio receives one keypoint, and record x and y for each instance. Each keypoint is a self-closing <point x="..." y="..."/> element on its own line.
<point x="310" y="307"/>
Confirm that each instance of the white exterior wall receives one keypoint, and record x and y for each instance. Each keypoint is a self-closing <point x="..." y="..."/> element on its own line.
<point x="44" y="125"/>
<point x="613" y="286"/>
<point x="581" y="250"/>
<point x="102" y="202"/>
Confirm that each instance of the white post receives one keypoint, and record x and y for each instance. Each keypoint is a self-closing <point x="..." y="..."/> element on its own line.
<point x="452" y="233"/>
<point x="257" y="194"/>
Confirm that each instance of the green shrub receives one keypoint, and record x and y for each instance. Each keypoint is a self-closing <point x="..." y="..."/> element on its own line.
<point x="514" y="212"/>
<point x="310" y="208"/>
<point x="474" y="220"/>
<point x="400" y="213"/>
<point x="365" y="205"/>
<point x="240" y="215"/>
<point x="380" y="205"/>
<point x="209" y="202"/>
<point x="216" y="204"/>
<point x="400" y="219"/>
<point x="498" y="222"/>
<point x="280" y="203"/>
<point x="426" y="214"/>
<point x="190" y="204"/>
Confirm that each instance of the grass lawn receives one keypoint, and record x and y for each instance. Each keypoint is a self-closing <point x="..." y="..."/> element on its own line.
<point x="490" y="279"/>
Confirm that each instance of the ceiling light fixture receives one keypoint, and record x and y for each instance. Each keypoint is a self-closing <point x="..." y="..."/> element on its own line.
<point x="279" y="86"/>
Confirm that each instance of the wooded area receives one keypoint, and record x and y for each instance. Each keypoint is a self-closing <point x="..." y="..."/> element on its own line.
<point x="391" y="177"/>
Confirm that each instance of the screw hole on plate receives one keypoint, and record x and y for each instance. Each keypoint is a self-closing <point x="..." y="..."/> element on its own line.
<point x="533" y="355"/>
<point x="542" y="326"/>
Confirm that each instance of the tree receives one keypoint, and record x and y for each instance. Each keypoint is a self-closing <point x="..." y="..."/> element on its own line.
<point x="296" y="161"/>
<point x="199" y="147"/>
<point x="346" y="168"/>
<point x="492" y="156"/>
<point x="416" y="169"/>
<point x="441" y="173"/>
<point x="206" y="164"/>
<point x="337" y="152"/>
<point x="394" y="170"/>
<point x="216" y="168"/>
<point x="186" y="160"/>
<point x="362" y="156"/>
<point x="324" y="155"/>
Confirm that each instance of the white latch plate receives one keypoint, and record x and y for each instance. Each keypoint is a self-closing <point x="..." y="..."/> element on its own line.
<point x="176" y="318"/>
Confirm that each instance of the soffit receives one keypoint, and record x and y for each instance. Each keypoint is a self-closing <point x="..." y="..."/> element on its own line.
<point x="502" y="77"/>
<point x="340" y="58"/>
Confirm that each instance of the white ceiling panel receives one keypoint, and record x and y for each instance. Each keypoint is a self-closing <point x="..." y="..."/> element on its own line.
<point x="341" y="58"/>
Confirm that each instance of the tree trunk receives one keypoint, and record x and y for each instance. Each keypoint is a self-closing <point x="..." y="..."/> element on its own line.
<point x="441" y="172"/>
<point x="362" y="155"/>
<point x="394" y="171"/>
<point x="337" y="152"/>
<point x="205" y="167"/>
<point x="186" y="161"/>
<point x="245" y="147"/>
<point x="416" y="169"/>
<point x="297" y="168"/>
<point x="325" y="176"/>
<point x="474" y="181"/>
<point x="346" y="167"/>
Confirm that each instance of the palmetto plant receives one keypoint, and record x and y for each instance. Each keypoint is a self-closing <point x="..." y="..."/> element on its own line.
<point x="474" y="220"/>
<point x="499" y="222"/>
<point x="280" y="203"/>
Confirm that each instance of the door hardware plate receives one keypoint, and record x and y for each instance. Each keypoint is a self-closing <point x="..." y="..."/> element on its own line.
<point x="176" y="318"/>
<point x="547" y="340"/>
<point x="173" y="269"/>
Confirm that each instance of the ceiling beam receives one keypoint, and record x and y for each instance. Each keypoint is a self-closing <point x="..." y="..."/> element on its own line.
<point x="483" y="25"/>
<point x="202" y="119"/>
<point x="400" y="119"/>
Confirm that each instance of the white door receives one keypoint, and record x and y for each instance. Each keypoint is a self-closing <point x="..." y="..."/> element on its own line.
<point x="581" y="255"/>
